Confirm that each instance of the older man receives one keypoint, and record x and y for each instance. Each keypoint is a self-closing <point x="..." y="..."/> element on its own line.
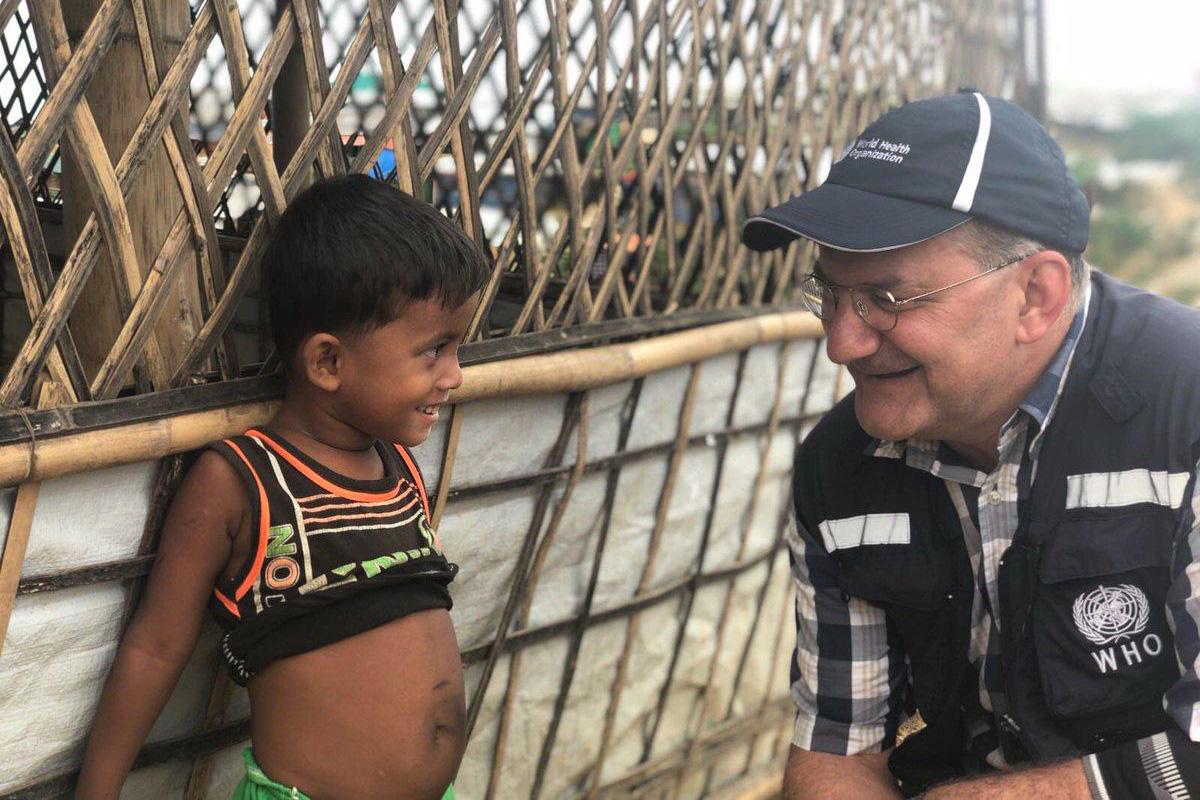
<point x="996" y="588"/>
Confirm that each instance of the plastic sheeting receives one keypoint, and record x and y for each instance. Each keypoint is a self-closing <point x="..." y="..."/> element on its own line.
<point x="60" y="644"/>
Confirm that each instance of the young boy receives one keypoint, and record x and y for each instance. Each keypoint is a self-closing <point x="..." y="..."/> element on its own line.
<point x="309" y="538"/>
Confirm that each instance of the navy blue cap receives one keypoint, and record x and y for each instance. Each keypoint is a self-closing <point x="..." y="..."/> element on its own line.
<point x="928" y="166"/>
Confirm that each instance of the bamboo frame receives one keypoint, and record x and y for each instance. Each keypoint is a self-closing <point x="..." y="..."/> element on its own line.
<point x="641" y="358"/>
<point x="138" y="565"/>
<point x="523" y="637"/>
<point x="208" y="741"/>
<point x="751" y="508"/>
<point x="265" y="386"/>
<point x="12" y="551"/>
<point x="663" y="102"/>
<point x="556" y="372"/>
<point x="631" y="629"/>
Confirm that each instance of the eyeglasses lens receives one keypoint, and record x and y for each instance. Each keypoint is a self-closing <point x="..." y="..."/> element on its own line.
<point x="876" y="309"/>
<point x="817" y="296"/>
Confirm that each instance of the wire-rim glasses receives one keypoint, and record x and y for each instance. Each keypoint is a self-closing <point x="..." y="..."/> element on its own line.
<point x="879" y="308"/>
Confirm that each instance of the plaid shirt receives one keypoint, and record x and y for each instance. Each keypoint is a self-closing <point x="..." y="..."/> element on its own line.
<point x="848" y="683"/>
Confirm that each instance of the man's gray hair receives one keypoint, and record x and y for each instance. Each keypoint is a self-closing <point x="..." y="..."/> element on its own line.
<point x="990" y="244"/>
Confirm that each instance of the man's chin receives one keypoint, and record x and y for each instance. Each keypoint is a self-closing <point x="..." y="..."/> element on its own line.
<point x="884" y="425"/>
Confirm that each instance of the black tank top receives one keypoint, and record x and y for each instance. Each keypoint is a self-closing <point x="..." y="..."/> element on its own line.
<point x="334" y="557"/>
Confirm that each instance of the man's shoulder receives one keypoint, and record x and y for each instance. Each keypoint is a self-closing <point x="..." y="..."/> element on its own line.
<point x="1148" y="346"/>
<point x="1156" y="329"/>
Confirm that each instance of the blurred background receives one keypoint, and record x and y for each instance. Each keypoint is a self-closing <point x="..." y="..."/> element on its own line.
<point x="1123" y="99"/>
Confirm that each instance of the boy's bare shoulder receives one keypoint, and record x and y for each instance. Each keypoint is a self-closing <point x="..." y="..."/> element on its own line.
<point x="212" y="488"/>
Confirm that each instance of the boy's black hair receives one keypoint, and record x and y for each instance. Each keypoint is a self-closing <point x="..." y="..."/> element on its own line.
<point x="350" y="252"/>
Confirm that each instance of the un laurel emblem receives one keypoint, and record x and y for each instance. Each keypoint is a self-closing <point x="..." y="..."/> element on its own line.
<point x="1111" y="613"/>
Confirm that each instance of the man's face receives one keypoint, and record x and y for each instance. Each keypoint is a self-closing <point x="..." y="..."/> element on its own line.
<point x="941" y="372"/>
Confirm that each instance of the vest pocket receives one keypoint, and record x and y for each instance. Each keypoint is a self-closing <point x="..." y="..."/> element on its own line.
<point x="1099" y="622"/>
<point x="906" y="576"/>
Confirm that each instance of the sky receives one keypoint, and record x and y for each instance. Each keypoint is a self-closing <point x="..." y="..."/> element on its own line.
<point x="1123" y="46"/>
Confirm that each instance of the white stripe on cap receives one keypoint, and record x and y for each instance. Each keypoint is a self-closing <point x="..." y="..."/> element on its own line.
<point x="869" y="529"/>
<point x="970" y="182"/>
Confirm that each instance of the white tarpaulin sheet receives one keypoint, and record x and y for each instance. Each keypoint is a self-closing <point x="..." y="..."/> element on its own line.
<point x="60" y="643"/>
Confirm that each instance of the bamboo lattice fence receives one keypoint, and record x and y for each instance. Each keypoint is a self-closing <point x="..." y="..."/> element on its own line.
<point x="603" y="152"/>
<point x="619" y="148"/>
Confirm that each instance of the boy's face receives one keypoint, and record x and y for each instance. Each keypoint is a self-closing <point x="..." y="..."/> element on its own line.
<point x="397" y="375"/>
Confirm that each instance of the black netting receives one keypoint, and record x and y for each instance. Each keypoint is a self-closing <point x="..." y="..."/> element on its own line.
<point x="22" y="94"/>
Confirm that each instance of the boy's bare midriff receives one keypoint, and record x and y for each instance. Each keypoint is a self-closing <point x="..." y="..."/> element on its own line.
<point x="378" y="715"/>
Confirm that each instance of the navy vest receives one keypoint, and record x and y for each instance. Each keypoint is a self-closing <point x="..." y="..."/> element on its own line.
<point x="1086" y="650"/>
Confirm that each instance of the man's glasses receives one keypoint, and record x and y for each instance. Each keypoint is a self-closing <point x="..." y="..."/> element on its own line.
<point x="879" y="308"/>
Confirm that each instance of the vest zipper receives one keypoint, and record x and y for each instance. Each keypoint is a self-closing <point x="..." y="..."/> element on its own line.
<point x="1011" y="726"/>
<point x="1008" y="723"/>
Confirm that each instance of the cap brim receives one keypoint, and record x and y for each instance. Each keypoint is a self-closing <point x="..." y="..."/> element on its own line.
<point x="850" y="219"/>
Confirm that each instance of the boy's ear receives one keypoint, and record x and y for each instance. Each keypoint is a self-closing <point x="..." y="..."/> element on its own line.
<point x="322" y="360"/>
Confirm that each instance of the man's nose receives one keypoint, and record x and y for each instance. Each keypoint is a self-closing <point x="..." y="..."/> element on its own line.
<point x="847" y="337"/>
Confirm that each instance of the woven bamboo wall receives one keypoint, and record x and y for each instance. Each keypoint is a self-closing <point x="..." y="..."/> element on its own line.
<point x="623" y="604"/>
<point x="613" y="149"/>
<point x="604" y="152"/>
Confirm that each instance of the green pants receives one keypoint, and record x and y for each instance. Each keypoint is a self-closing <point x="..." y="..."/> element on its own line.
<point x="257" y="785"/>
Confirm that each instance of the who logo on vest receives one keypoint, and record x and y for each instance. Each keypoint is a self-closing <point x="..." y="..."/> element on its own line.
<point x="1110" y="614"/>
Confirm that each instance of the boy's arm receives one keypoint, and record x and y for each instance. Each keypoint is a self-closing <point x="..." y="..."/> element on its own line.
<point x="196" y="543"/>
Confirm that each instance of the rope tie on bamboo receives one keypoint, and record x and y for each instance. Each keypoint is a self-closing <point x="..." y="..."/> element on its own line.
<point x="23" y="413"/>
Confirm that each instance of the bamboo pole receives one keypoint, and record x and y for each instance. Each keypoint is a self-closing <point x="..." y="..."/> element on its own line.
<point x="447" y="470"/>
<point x="28" y="250"/>
<point x="12" y="549"/>
<point x="133" y="226"/>
<point x="89" y="180"/>
<point x="570" y="421"/>
<point x="640" y="781"/>
<point x="783" y="636"/>
<point x="211" y="277"/>
<point x="689" y="598"/>
<point x="596" y="773"/>
<point x="701" y="709"/>
<point x="529" y="590"/>
<point x="570" y="371"/>
<point x="330" y="158"/>
<point x="89" y="52"/>
<point x="290" y="109"/>
<point x="53" y="458"/>
<point x="392" y="68"/>
<point x="545" y="374"/>
<point x="446" y="28"/>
